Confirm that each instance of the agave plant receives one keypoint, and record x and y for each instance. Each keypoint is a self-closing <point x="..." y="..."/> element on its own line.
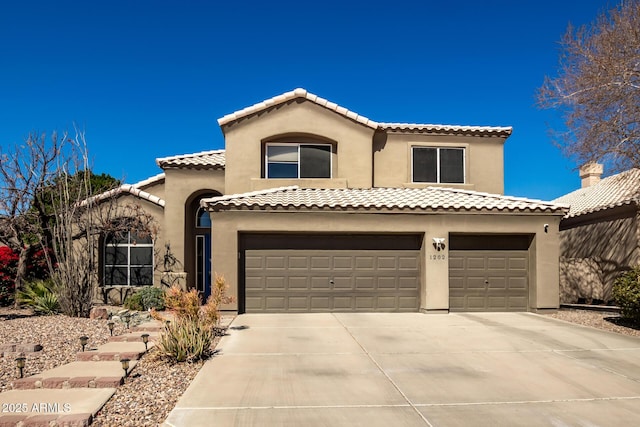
<point x="41" y="296"/>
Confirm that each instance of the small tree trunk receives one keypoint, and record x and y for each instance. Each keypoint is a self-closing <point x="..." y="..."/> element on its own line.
<point x="21" y="273"/>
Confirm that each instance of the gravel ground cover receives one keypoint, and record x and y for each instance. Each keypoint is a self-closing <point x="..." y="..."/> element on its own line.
<point x="154" y="386"/>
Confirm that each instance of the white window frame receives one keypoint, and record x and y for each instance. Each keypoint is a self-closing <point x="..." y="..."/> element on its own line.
<point x="298" y="145"/>
<point x="128" y="245"/>
<point x="438" y="148"/>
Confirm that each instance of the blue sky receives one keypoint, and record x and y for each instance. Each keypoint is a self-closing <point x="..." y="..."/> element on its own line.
<point x="148" y="79"/>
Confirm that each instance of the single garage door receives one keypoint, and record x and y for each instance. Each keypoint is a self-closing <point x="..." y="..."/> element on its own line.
<point x="492" y="279"/>
<point x="312" y="278"/>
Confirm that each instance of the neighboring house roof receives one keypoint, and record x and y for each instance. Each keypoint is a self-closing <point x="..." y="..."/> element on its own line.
<point x="214" y="159"/>
<point x="402" y="127"/>
<point x="613" y="191"/>
<point x="430" y="199"/>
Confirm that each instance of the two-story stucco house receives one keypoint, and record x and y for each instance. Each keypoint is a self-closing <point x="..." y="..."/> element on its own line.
<point x="312" y="207"/>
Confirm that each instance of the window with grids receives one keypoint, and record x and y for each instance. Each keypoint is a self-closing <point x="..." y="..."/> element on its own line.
<point x="128" y="260"/>
<point x="298" y="161"/>
<point x="438" y="165"/>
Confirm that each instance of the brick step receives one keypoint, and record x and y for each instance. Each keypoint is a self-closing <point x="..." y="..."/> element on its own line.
<point x="132" y="350"/>
<point x="135" y="336"/>
<point x="71" y="408"/>
<point x="103" y="374"/>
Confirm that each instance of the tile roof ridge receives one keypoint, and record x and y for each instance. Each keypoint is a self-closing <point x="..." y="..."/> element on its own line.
<point x="124" y="188"/>
<point x="150" y="180"/>
<point x="293" y="94"/>
<point x="225" y="197"/>
<point x="182" y="156"/>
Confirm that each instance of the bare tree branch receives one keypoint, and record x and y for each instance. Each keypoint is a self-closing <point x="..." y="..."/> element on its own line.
<point x="597" y="89"/>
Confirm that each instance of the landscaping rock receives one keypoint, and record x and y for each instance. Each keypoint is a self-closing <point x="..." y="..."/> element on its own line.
<point x="99" y="313"/>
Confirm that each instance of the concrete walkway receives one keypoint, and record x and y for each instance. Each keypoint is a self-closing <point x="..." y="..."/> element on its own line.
<point x="71" y="394"/>
<point x="497" y="369"/>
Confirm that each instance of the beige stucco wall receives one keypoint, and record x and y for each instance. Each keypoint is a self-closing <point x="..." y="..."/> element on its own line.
<point x="351" y="164"/>
<point x="181" y="186"/>
<point x="595" y="253"/>
<point x="484" y="160"/>
<point x="157" y="189"/>
<point x="435" y="281"/>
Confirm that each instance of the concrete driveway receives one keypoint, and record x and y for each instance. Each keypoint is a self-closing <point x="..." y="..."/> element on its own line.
<point x="496" y="369"/>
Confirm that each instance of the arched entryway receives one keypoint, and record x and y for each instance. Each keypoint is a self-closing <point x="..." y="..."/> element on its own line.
<point x="198" y="244"/>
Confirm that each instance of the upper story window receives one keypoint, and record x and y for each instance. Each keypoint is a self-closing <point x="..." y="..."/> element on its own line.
<point x="298" y="161"/>
<point x="438" y="165"/>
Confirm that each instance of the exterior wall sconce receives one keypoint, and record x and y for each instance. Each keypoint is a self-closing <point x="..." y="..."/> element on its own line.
<point x="546" y="228"/>
<point x="20" y="362"/>
<point x="438" y="243"/>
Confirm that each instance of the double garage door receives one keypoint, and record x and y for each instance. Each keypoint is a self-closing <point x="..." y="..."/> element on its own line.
<point x="331" y="274"/>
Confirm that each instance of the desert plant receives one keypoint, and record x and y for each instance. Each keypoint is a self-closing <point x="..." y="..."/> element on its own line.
<point x="152" y="297"/>
<point x="190" y="335"/>
<point x="41" y="296"/>
<point x="134" y="302"/>
<point x="185" y="339"/>
<point x="626" y="294"/>
<point x="183" y="303"/>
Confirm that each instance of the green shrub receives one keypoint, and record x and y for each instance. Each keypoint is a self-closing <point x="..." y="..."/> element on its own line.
<point x="152" y="297"/>
<point x="626" y="294"/>
<point x="145" y="299"/>
<point x="134" y="302"/>
<point x="186" y="339"/>
<point x="41" y="296"/>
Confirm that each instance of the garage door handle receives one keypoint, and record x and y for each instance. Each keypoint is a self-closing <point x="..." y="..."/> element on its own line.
<point x="486" y="282"/>
<point x="331" y="282"/>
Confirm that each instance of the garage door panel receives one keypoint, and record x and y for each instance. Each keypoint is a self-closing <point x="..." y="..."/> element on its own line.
<point x="409" y="283"/>
<point x="321" y="280"/>
<point x="298" y="262"/>
<point x="275" y="262"/>
<point x="497" y="283"/>
<point x="274" y="282"/>
<point x="494" y="263"/>
<point x="488" y="280"/>
<point x="365" y="263"/>
<point x="387" y="263"/>
<point x="342" y="283"/>
<point x="475" y="263"/>
<point x="517" y="263"/>
<point x="519" y="283"/>
<point x="320" y="263"/>
<point x="342" y="263"/>
<point x="275" y="303"/>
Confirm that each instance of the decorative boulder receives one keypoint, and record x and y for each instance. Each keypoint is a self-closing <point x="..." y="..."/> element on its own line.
<point x="99" y="313"/>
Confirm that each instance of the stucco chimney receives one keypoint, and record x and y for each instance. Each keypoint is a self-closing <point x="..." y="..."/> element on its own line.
<point x="590" y="174"/>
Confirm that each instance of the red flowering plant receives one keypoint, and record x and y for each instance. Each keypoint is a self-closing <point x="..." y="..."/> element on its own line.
<point x="8" y="267"/>
<point x="37" y="269"/>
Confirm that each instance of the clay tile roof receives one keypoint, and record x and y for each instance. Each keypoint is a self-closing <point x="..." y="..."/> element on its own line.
<point x="613" y="191"/>
<point x="397" y="127"/>
<point x="123" y="189"/>
<point x="430" y="199"/>
<point x="287" y="96"/>
<point x="149" y="181"/>
<point x="214" y="159"/>
<point x="448" y="129"/>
